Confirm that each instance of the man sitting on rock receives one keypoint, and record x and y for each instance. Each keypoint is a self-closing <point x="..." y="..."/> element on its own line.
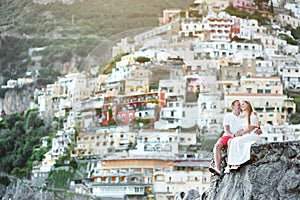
<point x="231" y="125"/>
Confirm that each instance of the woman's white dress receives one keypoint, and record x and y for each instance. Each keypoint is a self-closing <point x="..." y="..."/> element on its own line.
<point x="240" y="147"/>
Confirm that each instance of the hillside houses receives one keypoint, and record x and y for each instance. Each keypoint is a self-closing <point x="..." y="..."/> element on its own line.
<point x="144" y="122"/>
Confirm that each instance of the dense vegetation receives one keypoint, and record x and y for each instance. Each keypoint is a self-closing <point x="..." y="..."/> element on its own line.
<point x="20" y="138"/>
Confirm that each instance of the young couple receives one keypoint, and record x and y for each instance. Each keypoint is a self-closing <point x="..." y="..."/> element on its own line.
<point x="241" y="128"/>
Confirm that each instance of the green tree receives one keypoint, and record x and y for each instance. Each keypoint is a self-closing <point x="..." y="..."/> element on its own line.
<point x="12" y="119"/>
<point x="296" y="33"/>
<point x="19" y="172"/>
<point x="271" y="8"/>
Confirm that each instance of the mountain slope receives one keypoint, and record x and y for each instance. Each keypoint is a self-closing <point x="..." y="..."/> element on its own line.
<point x="68" y="31"/>
<point x="99" y="17"/>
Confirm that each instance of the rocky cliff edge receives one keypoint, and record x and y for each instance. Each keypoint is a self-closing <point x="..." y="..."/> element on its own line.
<point x="271" y="174"/>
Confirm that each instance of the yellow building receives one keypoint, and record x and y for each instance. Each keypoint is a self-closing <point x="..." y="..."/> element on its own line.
<point x="138" y="81"/>
<point x="99" y="144"/>
<point x="155" y="178"/>
<point x="267" y="98"/>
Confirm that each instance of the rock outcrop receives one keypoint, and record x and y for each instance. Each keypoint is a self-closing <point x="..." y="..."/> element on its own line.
<point x="23" y="190"/>
<point x="273" y="173"/>
<point x="17" y="100"/>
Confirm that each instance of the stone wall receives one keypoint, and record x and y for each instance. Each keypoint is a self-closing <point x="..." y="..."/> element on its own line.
<point x="272" y="173"/>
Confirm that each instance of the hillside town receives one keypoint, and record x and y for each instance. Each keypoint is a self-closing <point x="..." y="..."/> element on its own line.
<point x="139" y="127"/>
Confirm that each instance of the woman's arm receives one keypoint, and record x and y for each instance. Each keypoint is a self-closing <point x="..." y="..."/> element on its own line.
<point x="243" y="132"/>
<point x="254" y="121"/>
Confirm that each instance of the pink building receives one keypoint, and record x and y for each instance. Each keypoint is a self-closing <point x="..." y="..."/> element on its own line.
<point x="247" y="5"/>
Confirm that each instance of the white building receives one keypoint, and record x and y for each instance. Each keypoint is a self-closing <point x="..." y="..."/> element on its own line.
<point x="294" y="7"/>
<point x="56" y="99"/>
<point x="171" y="116"/>
<point x="272" y="45"/>
<point x="214" y="50"/>
<point x="265" y="68"/>
<point x="210" y="113"/>
<point x="289" y="20"/>
<point x="60" y="144"/>
<point x="157" y="144"/>
<point x="289" y="71"/>
<point x="217" y="27"/>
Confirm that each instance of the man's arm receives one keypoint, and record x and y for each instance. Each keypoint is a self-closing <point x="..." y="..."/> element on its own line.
<point x="227" y="130"/>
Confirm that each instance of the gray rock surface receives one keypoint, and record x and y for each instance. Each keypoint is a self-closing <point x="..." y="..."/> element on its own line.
<point x="17" y="100"/>
<point x="271" y="174"/>
<point x="22" y="190"/>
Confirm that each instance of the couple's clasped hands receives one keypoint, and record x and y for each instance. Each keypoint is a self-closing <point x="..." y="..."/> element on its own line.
<point x="258" y="131"/>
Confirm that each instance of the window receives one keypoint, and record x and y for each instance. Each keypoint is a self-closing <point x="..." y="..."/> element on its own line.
<point x="268" y="91"/>
<point x="260" y="91"/>
<point x="249" y="90"/>
<point x="136" y="189"/>
<point x="213" y="106"/>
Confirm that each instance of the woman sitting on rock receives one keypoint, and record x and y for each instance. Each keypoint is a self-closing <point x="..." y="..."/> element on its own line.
<point x="240" y="145"/>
